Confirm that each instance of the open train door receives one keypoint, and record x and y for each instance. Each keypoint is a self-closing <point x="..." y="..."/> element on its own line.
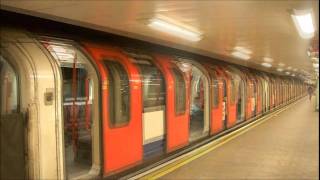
<point x="177" y="103"/>
<point x="12" y="125"/>
<point x="121" y="108"/>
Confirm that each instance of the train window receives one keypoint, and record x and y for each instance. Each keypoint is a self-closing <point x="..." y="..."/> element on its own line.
<point x="153" y="85"/>
<point x="119" y="94"/>
<point x="180" y="91"/>
<point x="215" y="93"/>
<point x="233" y="92"/>
<point x="8" y="88"/>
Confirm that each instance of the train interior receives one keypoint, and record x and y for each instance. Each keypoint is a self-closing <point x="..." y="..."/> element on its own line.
<point x="12" y="123"/>
<point x="198" y="87"/>
<point x="224" y="104"/>
<point x="241" y="101"/>
<point x="78" y="98"/>
<point x="9" y="93"/>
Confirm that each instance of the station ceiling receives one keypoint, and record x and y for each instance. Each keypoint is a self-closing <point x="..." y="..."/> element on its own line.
<point x="264" y="27"/>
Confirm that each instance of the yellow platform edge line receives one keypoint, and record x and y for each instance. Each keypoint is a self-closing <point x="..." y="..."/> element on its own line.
<point x="215" y="144"/>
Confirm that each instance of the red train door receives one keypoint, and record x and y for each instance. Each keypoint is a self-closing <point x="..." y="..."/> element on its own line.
<point x="177" y="103"/>
<point x="232" y="104"/>
<point x="249" y="99"/>
<point x="121" y="108"/>
<point x="216" y="90"/>
<point x="216" y="107"/>
<point x="229" y="98"/>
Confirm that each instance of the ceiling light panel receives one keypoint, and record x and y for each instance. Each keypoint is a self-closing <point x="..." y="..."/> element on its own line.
<point x="279" y="69"/>
<point x="267" y="59"/>
<point x="242" y="50"/>
<point x="240" y="55"/>
<point x="304" y="23"/>
<point x="268" y="65"/>
<point x="173" y="29"/>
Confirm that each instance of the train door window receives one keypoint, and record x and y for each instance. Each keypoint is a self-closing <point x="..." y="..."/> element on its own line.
<point x="215" y="93"/>
<point x="180" y="91"/>
<point x="79" y="108"/>
<point x="233" y="92"/>
<point x="240" y="102"/>
<point x="254" y="98"/>
<point x="119" y="94"/>
<point x="8" y="89"/>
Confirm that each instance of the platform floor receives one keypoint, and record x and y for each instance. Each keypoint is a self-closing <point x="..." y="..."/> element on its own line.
<point x="283" y="147"/>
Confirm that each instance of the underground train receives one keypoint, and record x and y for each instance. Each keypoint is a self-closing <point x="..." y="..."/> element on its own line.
<point x="86" y="109"/>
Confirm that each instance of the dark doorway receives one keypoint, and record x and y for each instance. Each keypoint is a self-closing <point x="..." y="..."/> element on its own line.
<point x="12" y="150"/>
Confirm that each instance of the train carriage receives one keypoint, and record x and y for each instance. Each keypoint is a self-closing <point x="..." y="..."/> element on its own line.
<point x="102" y="109"/>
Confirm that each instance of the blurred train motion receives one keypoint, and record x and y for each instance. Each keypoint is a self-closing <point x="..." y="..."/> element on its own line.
<point x="87" y="109"/>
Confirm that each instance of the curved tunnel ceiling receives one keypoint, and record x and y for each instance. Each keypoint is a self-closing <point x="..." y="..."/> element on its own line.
<point x="263" y="27"/>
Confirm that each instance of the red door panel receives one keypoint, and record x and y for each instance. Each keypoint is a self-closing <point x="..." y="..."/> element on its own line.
<point x="177" y="124"/>
<point x="249" y="100"/>
<point x="122" y="146"/>
<point x="232" y="108"/>
<point x="216" y="112"/>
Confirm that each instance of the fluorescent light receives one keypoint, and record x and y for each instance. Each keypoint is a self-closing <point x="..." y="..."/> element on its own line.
<point x="267" y="59"/>
<point x="62" y="53"/>
<point x="289" y="67"/>
<point x="315" y="65"/>
<point x="304" y="24"/>
<point x="242" y="50"/>
<point x="240" y="55"/>
<point x="293" y="75"/>
<point x="173" y="29"/>
<point x="287" y="73"/>
<point x="279" y="69"/>
<point x="281" y="64"/>
<point x="266" y="64"/>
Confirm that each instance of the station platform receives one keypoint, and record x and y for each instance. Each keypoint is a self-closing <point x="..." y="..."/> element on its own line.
<point x="283" y="147"/>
